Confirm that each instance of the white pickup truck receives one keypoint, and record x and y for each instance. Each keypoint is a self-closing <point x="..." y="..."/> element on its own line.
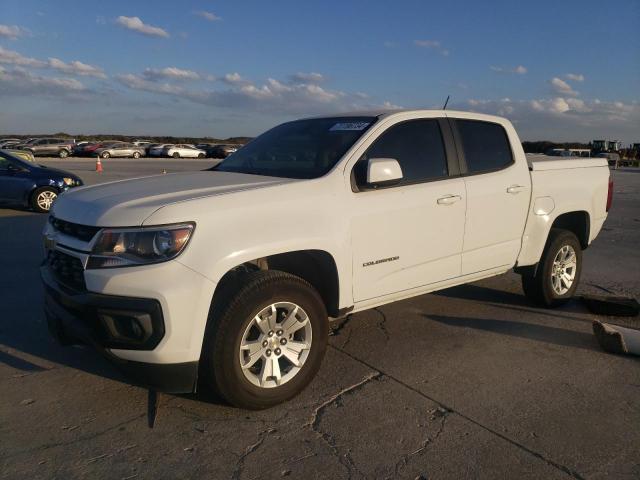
<point x="226" y="278"/>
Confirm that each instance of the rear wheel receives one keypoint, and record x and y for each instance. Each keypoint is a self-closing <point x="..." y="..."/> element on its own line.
<point x="105" y="155"/>
<point x="201" y="155"/>
<point x="265" y="341"/>
<point x="136" y="155"/>
<point x="558" y="274"/>
<point x="42" y="199"/>
<point x="63" y="153"/>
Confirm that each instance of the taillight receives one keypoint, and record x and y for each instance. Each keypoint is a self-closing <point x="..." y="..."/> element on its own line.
<point x="610" y="194"/>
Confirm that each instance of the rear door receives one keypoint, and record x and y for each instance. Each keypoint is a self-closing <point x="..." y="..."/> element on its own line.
<point x="410" y="234"/>
<point x="498" y="190"/>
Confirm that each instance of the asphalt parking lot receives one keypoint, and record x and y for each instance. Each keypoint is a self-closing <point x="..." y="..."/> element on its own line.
<point x="470" y="382"/>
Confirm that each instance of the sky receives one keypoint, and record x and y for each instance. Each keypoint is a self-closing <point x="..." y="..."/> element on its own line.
<point x="560" y="70"/>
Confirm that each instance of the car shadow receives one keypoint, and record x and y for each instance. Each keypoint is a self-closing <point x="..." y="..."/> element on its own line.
<point x="484" y="294"/>
<point x="25" y="342"/>
<point x="514" y="301"/>
<point x="530" y="331"/>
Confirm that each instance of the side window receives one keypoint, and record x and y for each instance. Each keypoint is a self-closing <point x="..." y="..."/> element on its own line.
<point x="486" y="145"/>
<point x="4" y="164"/>
<point x="417" y="145"/>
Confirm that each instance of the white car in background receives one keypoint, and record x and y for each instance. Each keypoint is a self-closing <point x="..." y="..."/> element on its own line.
<point x="159" y="150"/>
<point x="184" y="151"/>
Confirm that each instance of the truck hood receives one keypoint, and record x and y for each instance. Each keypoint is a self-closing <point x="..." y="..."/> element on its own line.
<point x="129" y="202"/>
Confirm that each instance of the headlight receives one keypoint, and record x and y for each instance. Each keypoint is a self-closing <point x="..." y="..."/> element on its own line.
<point x="124" y="247"/>
<point x="69" y="181"/>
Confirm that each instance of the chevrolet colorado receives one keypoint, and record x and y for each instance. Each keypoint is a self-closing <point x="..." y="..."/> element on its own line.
<point x="226" y="278"/>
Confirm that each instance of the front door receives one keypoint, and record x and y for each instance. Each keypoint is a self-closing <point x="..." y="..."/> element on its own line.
<point x="410" y="234"/>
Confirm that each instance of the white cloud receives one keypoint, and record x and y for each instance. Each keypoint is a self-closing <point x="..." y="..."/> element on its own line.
<point x="170" y="73"/>
<point x="519" y="70"/>
<point x="563" y="118"/>
<point x="432" y="45"/>
<point x="234" y="79"/>
<point x="311" y="77"/>
<point x="576" y="77"/>
<point x="76" y="68"/>
<point x="137" y="82"/>
<point x="12" y="32"/>
<point x="563" y="88"/>
<point x="137" y="25"/>
<point x="19" y="81"/>
<point x="15" y="58"/>
<point x="273" y="97"/>
<point x="212" y="17"/>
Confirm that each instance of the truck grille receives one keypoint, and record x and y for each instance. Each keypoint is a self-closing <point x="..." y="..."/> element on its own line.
<point x="66" y="269"/>
<point x="81" y="232"/>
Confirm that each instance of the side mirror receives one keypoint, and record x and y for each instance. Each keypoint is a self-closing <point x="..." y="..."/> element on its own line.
<point x="383" y="171"/>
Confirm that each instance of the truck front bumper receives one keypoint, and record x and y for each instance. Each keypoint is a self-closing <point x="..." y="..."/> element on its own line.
<point x="107" y="322"/>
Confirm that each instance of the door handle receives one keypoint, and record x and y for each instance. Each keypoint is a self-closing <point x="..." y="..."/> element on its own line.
<point x="449" y="199"/>
<point x="515" y="189"/>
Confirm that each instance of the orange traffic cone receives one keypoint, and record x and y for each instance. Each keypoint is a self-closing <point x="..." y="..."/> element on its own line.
<point x="98" y="165"/>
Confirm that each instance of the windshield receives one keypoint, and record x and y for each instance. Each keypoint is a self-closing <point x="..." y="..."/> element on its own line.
<point x="300" y="149"/>
<point x="14" y="159"/>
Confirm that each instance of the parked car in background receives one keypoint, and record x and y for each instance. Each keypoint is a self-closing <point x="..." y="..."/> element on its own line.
<point x="223" y="151"/>
<point x="23" y="154"/>
<point x="8" y="142"/>
<point x="31" y="185"/>
<point x="120" y="150"/>
<point x="184" y="151"/>
<point x="79" y="146"/>
<point x="59" y="147"/>
<point x="158" y="149"/>
<point x="89" y="149"/>
<point x="208" y="148"/>
<point x="142" y="143"/>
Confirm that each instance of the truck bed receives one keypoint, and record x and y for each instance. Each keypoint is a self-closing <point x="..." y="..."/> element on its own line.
<point x="546" y="162"/>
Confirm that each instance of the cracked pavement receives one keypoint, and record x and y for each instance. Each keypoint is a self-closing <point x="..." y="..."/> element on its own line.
<point x="470" y="382"/>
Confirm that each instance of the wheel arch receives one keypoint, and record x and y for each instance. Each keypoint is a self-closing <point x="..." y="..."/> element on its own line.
<point x="318" y="267"/>
<point x="576" y="221"/>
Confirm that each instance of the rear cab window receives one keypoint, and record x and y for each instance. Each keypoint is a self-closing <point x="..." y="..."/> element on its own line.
<point x="485" y="146"/>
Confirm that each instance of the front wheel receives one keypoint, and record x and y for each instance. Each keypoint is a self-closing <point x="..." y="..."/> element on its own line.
<point x="176" y="155"/>
<point x="136" y="155"/>
<point x="558" y="273"/>
<point x="105" y="155"/>
<point x="63" y="153"/>
<point x="43" y="198"/>
<point x="267" y="340"/>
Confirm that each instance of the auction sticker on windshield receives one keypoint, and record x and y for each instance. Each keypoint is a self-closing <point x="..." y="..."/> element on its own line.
<point x="349" y="126"/>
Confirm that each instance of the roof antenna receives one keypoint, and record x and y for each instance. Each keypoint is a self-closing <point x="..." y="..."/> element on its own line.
<point x="446" y="102"/>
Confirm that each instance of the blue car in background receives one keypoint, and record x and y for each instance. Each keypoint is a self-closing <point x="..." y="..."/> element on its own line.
<point x="31" y="185"/>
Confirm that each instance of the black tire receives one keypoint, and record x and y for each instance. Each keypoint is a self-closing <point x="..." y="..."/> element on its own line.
<point x="136" y="155"/>
<point x="63" y="153"/>
<point x="34" y="198"/>
<point x="105" y="155"/>
<point x="538" y="287"/>
<point x="201" y="155"/>
<point x="175" y="155"/>
<point x="230" y="315"/>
